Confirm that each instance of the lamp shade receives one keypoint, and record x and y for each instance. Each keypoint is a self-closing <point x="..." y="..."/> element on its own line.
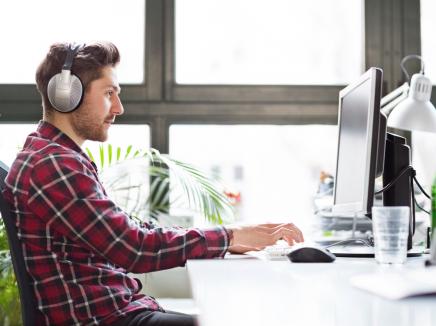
<point x="416" y="112"/>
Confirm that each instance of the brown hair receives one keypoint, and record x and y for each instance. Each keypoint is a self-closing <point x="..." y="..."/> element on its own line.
<point x="87" y="65"/>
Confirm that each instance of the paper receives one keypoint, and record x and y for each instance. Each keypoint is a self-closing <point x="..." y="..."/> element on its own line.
<point x="398" y="284"/>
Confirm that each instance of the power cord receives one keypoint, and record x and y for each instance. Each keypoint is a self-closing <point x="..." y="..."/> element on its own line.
<point x="423" y="191"/>
<point x="419" y="186"/>
<point x="420" y="207"/>
<point x="390" y="184"/>
<point x="413" y="178"/>
<point x="367" y="242"/>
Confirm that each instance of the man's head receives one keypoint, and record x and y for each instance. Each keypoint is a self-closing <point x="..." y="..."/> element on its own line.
<point x="95" y="65"/>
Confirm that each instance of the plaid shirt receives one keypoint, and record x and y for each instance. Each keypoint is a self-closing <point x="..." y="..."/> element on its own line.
<point x="79" y="245"/>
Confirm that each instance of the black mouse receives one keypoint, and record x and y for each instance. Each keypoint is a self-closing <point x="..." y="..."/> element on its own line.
<point x="309" y="254"/>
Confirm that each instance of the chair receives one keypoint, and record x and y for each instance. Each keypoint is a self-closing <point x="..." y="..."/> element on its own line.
<point x="27" y="297"/>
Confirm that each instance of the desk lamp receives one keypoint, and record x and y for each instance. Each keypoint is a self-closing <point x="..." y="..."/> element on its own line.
<point x="410" y="108"/>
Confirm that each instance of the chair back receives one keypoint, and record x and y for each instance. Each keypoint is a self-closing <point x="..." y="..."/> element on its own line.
<point x="27" y="296"/>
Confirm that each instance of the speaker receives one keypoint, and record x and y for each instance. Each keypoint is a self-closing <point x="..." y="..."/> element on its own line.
<point x="65" y="90"/>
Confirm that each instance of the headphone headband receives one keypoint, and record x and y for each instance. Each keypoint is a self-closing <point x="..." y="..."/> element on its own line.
<point x="72" y="51"/>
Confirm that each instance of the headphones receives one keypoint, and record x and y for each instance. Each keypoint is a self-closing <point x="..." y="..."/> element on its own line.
<point x="65" y="90"/>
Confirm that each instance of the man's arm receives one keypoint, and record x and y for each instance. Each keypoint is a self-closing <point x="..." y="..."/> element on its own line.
<point x="66" y="195"/>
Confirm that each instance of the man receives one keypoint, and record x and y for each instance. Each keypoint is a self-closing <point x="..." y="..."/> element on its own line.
<point x="79" y="245"/>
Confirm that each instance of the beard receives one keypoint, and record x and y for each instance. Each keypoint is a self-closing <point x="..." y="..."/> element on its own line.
<point x="89" y="127"/>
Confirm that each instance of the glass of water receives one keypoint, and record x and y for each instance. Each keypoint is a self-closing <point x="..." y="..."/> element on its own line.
<point x="391" y="229"/>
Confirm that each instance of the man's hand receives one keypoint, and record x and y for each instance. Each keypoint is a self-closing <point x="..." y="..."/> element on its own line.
<point x="257" y="237"/>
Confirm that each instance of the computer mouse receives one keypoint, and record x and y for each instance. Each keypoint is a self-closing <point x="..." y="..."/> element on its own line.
<point x="308" y="254"/>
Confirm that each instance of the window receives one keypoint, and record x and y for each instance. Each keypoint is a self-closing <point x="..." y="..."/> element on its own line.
<point x="428" y="26"/>
<point x="252" y="63"/>
<point x="29" y="27"/>
<point x="276" y="169"/>
<point x="276" y="42"/>
<point x="12" y="137"/>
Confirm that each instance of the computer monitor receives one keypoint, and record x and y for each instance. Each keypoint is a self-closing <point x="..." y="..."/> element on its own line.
<point x="366" y="151"/>
<point x="361" y="142"/>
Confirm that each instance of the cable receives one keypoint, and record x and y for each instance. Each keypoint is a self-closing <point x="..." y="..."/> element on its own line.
<point x="411" y="204"/>
<point x="420" y="207"/>
<point x="423" y="191"/>
<point x="412" y="179"/>
<point x="412" y="174"/>
<point x="390" y="184"/>
<point x="365" y="242"/>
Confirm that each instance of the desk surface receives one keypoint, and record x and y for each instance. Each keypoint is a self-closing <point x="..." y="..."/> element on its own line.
<point x="255" y="292"/>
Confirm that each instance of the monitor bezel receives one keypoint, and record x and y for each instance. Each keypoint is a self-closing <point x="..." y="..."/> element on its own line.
<point x="362" y="207"/>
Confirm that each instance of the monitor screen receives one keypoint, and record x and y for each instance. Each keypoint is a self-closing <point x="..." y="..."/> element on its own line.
<point x="359" y="114"/>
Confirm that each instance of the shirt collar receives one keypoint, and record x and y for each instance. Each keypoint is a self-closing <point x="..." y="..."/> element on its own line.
<point x="48" y="131"/>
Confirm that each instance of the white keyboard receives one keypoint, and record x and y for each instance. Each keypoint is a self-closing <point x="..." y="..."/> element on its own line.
<point x="278" y="251"/>
<point x="281" y="249"/>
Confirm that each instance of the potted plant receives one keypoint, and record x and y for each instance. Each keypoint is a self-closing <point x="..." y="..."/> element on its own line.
<point x="10" y="309"/>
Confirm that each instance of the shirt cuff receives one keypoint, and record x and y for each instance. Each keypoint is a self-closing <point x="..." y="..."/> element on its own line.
<point x="217" y="241"/>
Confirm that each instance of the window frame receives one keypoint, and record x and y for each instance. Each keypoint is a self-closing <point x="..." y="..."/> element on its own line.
<point x="392" y="30"/>
<point x="21" y="102"/>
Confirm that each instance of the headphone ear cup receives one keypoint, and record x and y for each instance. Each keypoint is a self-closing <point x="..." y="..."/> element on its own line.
<point x="65" y="91"/>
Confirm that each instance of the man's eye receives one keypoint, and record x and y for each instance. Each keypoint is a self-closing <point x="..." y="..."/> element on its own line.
<point x="110" y="93"/>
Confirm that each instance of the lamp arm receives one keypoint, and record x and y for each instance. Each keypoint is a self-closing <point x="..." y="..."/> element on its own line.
<point x="408" y="57"/>
<point x="403" y="89"/>
<point x="388" y="107"/>
<point x="390" y="101"/>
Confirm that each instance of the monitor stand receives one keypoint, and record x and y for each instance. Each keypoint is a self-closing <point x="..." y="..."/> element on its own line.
<point x="353" y="230"/>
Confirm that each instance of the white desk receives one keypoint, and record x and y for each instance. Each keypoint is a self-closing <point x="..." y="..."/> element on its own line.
<point x="254" y="292"/>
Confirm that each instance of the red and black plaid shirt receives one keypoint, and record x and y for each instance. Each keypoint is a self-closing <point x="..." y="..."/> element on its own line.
<point x="79" y="245"/>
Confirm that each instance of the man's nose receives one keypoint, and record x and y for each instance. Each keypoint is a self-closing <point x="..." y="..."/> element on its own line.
<point x="117" y="106"/>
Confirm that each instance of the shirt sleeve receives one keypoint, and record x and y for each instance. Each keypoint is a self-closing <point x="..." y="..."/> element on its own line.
<point x="66" y="194"/>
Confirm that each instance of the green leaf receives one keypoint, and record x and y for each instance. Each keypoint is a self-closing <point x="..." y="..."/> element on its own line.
<point x="90" y="154"/>
<point x="137" y="152"/>
<point x="101" y="156"/>
<point x="118" y="153"/>
<point x="109" y="153"/>
<point x="129" y="148"/>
